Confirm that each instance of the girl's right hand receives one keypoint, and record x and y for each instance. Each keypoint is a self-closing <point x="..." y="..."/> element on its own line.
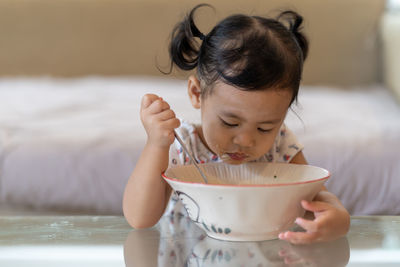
<point x="158" y="120"/>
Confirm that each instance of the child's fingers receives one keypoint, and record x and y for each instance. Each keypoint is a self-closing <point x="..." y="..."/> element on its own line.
<point x="288" y="257"/>
<point x="165" y="115"/>
<point x="157" y="106"/>
<point x="314" y="206"/>
<point x="165" y="104"/>
<point x="147" y="99"/>
<point x="308" y="225"/>
<point x="171" y="123"/>
<point x="298" y="237"/>
<point x="296" y="261"/>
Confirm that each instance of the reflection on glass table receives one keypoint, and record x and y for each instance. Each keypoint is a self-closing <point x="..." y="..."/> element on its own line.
<point x="182" y="243"/>
<point x="59" y="241"/>
<point x="176" y="241"/>
<point x="375" y="241"/>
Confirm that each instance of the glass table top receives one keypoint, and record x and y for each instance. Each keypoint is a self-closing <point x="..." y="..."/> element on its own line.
<point x="176" y="241"/>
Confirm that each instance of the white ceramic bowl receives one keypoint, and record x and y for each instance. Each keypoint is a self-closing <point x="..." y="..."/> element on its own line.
<point x="248" y="202"/>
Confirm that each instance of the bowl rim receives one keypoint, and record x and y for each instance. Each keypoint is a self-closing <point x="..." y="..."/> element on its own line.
<point x="251" y="185"/>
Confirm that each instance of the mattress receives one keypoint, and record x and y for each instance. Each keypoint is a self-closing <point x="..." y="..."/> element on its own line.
<point x="71" y="144"/>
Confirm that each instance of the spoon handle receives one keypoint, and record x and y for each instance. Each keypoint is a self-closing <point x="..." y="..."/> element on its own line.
<point x="190" y="156"/>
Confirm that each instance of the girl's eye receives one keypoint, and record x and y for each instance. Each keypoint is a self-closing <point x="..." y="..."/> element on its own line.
<point x="264" y="130"/>
<point x="228" y="124"/>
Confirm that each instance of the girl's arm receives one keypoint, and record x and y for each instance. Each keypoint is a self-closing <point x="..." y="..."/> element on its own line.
<point x="299" y="159"/>
<point x="146" y="193"/>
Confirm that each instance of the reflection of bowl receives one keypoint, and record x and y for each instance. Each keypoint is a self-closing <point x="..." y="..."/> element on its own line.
<point x="248" y="202"/>
<point x="216" y="253"/>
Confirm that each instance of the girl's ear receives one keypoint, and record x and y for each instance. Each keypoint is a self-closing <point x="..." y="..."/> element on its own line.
<point x="194" y="91"/>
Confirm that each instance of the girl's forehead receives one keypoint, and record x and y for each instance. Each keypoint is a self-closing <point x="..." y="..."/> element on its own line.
<point x="271" y="98"/>
<point x="252" y="106"/>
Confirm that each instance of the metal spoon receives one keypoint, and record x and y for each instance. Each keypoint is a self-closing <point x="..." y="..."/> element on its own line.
<point x="191" y="157"/>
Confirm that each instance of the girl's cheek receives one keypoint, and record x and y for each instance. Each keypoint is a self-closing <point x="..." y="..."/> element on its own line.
<point x="218" y="150"/>
<point x="266" y="147"/>
<point x="218" y="145"/>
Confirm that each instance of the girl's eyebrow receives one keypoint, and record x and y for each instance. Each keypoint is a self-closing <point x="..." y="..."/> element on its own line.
<point x="234" y="116"/>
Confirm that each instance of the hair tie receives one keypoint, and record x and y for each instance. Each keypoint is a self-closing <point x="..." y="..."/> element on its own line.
<point x="202" y="36"/>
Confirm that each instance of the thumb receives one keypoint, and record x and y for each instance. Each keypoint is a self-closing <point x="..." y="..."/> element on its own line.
<point x="314" y="206"/>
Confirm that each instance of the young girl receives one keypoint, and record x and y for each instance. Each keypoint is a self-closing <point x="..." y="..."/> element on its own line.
<point x="248" y="74"/>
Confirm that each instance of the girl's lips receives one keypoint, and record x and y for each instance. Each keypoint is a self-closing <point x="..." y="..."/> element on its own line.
<point x="237" y="156"/>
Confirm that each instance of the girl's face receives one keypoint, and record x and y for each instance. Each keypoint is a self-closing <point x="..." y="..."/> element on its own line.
<point x="240" y="126"/>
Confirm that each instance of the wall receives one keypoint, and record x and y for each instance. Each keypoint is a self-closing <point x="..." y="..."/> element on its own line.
<point x="127" y="37"/>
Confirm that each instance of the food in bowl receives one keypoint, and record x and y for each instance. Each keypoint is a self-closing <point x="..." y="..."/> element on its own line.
<point x="248" y="202"/>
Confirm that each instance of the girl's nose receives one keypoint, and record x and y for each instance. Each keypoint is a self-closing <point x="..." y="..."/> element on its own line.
<point x="244" y="139"/>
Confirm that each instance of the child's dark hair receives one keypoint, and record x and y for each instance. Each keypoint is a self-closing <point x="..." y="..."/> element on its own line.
<point x="248" y="52"/>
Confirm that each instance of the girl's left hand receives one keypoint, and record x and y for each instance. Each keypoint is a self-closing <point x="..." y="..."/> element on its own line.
<point x="331" y="221"/>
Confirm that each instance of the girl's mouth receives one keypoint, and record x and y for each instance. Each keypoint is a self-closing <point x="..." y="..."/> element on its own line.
<point x="237" y="156"/>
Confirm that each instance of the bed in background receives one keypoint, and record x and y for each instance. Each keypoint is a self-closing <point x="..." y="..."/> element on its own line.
<point x="70" y="132"/>
<point x="71" y="144"/>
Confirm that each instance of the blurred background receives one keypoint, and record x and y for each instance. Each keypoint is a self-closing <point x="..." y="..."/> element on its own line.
<point x="128" y="37"/>
<point x="72" y="73"/>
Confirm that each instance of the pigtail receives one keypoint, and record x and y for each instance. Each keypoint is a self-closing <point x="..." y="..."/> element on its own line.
<point x="294" y="21"/>
<point x="184" y="49"/>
